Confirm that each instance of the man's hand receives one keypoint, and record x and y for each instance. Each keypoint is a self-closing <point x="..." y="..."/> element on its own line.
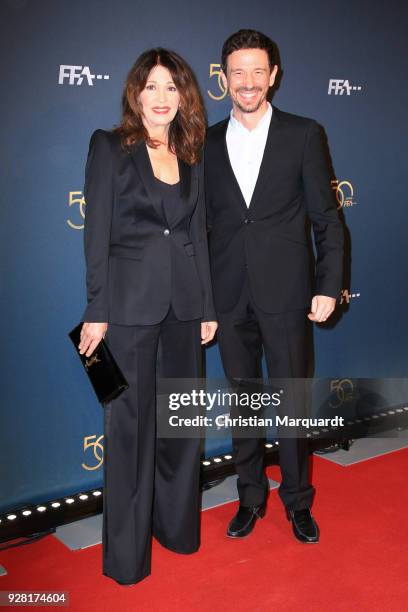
<point x="321" y="309"/>
<point x="208" y="329"/>
<point x="91" y="335"/>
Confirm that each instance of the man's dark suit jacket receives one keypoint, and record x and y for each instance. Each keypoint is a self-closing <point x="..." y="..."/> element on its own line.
<point x="136" y="263"/>
<point x="269" y="239"/>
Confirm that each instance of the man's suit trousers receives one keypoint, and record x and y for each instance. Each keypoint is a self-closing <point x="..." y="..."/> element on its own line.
<point x="244" y="334"/>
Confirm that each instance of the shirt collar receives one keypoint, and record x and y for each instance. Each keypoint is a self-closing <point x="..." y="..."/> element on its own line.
<point x="263" y="123"/>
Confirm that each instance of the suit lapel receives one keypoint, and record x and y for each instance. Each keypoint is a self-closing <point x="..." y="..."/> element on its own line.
<point x="141" y="159"/>
<point x="185" y="180"/>
<point x="272" y="149"/>
<point x="229" y="172"/>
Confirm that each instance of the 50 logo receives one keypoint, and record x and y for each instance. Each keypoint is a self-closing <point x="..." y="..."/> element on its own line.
<point x="215" y="71"/>
<point x="344" y="391"/>
<point x="344" y="193"/>
<point x="94" y="443"/>
<point x="77" y="197"/>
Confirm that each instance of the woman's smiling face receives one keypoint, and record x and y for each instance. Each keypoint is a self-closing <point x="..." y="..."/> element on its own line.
<point x="160" y="98"/>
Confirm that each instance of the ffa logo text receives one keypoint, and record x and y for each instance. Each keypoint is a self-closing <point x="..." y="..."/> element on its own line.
<point x="339" y="87"/>
<point x="76" y="75"/>
<point x="346" y="296"/>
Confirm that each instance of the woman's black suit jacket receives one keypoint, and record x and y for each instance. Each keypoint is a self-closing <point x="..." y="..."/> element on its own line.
<point x="136" y="263"/>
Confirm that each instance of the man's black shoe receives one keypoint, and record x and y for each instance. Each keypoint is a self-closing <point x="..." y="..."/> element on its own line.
<point x="304" y="526"/>
<point x="244" y="521"/>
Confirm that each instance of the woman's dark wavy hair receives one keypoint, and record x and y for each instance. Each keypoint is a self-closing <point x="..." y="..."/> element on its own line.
<point x="187" y="130"/>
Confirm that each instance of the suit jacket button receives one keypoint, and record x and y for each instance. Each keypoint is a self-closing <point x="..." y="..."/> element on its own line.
<point x="247" y="221"/>
<point x="166" y="232"/>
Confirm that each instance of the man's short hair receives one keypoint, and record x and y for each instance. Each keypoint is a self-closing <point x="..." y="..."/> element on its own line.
<point x="249" y="39"/>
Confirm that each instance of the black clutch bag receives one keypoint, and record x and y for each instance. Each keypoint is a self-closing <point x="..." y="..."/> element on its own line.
<point x="103" y="372"/>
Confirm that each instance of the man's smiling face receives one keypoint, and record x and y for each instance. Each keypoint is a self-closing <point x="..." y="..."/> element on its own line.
<point x="248" y="79"/>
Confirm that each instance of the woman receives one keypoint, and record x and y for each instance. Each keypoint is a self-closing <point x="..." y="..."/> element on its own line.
<point x="149" y="289"/>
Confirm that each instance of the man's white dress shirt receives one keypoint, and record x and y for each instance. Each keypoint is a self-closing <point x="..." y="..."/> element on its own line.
<point x="246" y="149"/>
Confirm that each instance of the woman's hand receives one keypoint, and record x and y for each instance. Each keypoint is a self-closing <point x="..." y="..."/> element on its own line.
<point x="91" y="335"/>
<point x="208" y="329"/>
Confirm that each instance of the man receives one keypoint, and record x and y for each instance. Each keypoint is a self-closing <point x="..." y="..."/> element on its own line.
<point x="267" y="174"/>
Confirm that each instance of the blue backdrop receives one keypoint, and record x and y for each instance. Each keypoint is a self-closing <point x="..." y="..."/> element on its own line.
<point x="63" y="65"/>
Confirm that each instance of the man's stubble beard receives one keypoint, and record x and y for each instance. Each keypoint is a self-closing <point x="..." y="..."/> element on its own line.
<point x="245" y="109"/>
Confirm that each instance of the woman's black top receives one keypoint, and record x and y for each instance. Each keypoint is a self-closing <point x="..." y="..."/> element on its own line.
<point x="171" y="201"/>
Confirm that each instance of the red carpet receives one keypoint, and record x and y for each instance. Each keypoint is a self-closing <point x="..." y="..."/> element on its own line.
<point x="360" y="564"/>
